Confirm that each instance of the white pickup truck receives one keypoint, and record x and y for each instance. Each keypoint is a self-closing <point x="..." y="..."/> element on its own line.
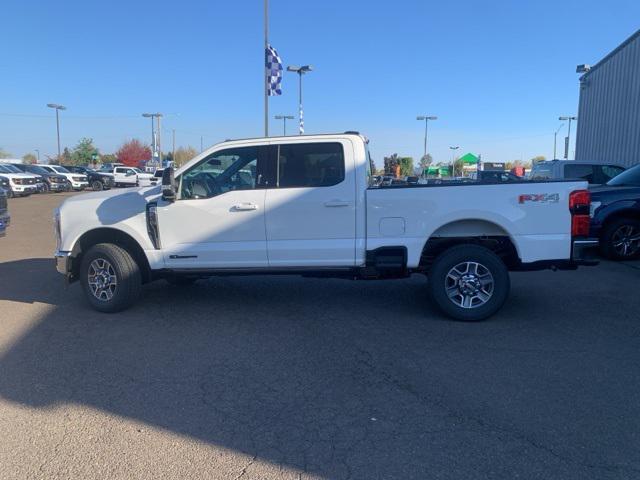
<point x="304" y="205"/>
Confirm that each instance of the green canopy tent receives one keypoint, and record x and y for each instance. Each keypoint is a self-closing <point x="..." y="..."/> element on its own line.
<point x="469" y="159"/>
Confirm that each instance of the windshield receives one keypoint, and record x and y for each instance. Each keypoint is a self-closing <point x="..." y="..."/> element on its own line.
<point x="12" y="168"/>
<point x="37" y="169"/>
<point x="137" y="170"/>
<point x="628" y="177"/>
<point x="60" y="169"/>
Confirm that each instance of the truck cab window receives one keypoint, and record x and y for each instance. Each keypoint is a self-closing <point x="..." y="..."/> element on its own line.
<point x="221" y="172"/>
<point x="310" y="165"/>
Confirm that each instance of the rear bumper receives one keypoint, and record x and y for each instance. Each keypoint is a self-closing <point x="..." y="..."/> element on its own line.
<point x="583" y="253"/>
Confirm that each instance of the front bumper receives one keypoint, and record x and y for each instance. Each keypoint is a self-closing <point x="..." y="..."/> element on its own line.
<point x="23" y="189"/>
<point x="79" y="185"/>
<point x="56" y="187"/>
<point x="64" y="263"/>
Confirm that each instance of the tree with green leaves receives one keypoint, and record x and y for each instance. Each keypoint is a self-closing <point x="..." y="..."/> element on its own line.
<point x="29" y="158"/>
<point x="538" y="158"/>
<point x="406" y="166"/>
<point x="425" y="162"/>
<point x="5" y="154"/>
<point x="83" y="153"/>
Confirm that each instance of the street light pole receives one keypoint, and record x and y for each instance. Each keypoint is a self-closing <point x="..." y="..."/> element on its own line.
<point x="300" y="71"/>
<point x="284" y="119"/>
<point x="555" y="139"/>
<point x="568" y="137"/>
<point x="38" y="152"/>
<point x="57" y="107"/>
<point x="426" y="125"/>
<point x="155" y="141"/>
<point x="453" y="163"/>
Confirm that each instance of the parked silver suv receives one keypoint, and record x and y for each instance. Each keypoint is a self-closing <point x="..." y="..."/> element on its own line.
<point x="593" y="172"/>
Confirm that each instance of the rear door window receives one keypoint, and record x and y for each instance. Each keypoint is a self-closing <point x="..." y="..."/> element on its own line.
<point x="310" y="165"/>
<point x="583" y="172"/>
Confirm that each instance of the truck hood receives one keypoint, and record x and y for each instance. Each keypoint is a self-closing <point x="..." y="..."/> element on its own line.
<point x="133" y="195"/>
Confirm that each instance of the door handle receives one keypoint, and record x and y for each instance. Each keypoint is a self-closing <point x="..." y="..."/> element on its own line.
<point x="337" y="203"/>
<point x="245" y="206"/>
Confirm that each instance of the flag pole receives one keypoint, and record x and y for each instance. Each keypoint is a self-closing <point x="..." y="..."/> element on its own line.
<point x="264" y="76"/>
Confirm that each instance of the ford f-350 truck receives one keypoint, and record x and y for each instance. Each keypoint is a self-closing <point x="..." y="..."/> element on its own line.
<point x="305" y="205"/>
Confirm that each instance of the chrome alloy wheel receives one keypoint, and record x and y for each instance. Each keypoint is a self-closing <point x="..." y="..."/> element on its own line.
<point x="469" y="285"/>
<point x="626" y="240"/>
<point x="102" y="279"/>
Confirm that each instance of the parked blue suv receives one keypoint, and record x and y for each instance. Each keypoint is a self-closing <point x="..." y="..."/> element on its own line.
<point x="615" y="215"/>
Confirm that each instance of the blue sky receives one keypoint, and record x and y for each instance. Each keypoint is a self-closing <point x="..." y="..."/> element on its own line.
<point x="497" y="73"/>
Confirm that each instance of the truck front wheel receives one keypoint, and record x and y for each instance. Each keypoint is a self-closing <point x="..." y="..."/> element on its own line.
<point x="469" y="282"/>
<point x="110" y="277"/>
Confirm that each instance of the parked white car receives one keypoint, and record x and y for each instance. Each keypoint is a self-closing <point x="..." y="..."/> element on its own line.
<point x="131" y="176"/>
<point x="78" y="181"/>
<point x="21" y="184"/>
<point x="304" y="205"/>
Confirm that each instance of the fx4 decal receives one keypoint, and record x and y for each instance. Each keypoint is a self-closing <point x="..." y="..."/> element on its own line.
<point x="539" y="198"/>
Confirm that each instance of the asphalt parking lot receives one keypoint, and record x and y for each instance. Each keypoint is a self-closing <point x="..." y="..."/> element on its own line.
<point x="265" y="378"/>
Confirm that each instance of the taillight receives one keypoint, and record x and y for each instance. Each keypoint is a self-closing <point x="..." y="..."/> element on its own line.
<point x="579" y="206"/>
<point x="579" y="200"/>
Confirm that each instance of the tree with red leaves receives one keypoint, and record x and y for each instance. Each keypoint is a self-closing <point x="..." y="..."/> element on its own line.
<point x="134" y="153"/>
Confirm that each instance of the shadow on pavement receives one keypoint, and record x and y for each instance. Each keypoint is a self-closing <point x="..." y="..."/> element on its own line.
<point x="340" y="379"/>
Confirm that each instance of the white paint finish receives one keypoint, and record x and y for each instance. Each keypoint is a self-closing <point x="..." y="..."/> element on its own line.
<point x="313" y="226"/>
<point x="392" y="227"/>
<point x="117" y="209"/>
<point x="219" y="231"/>
<point x="426" y="209"/>
<point x="125" y="176"/>
<point x="294" y="227"/>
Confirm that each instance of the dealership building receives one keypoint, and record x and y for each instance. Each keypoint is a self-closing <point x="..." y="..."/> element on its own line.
<point x="609" y="109"/>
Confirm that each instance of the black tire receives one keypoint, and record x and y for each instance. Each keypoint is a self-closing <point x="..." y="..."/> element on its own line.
<point x="487" y="294"/>
<point x="127" y="273"/>
<point x="180" y="280"/>
<point x="97" y="186"/>
<point x="617" y="240"/>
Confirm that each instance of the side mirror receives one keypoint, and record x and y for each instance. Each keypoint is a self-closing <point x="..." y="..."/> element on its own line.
<point x="168" y="185"/>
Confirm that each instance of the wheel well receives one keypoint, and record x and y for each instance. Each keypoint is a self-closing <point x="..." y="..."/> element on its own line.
<point x="501" y="245"/>
<point x="634" y="214"/>
<point x="117" y="237"/>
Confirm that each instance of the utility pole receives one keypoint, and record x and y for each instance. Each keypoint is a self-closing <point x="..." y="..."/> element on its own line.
<point x="57" y="107"/>
<point x="300" y="71"/>
<point x="173" y="149"/>
<point x="568" y="137"/>
<point x="201" y="142"/>
<point x="38" y="152"/>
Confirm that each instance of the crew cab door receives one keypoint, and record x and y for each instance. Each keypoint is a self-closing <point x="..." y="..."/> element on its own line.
<point x="125" y="175"/>
<point x="311" y="204"/>
<point x="218" y="219"/>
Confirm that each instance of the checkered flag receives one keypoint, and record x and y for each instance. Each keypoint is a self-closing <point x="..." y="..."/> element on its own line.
<point x="273" y="66"/>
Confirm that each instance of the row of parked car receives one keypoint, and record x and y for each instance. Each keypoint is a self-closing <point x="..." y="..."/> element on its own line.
<point x="20" y="179"/>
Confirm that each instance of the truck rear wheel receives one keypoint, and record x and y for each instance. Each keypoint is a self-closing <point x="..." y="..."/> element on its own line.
<point x="469" y="282"/>
<point x="110" y="278"/>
